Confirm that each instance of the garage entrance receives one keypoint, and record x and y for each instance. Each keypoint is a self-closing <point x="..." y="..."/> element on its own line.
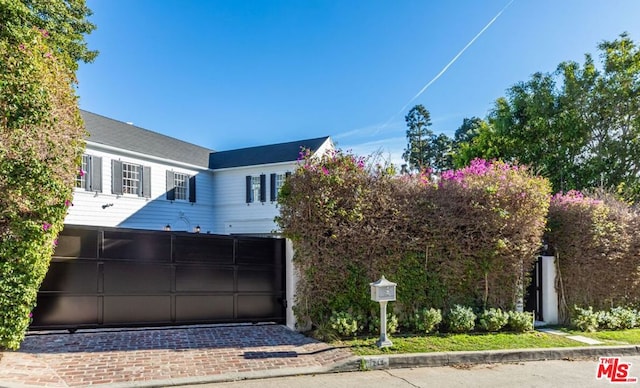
<point x="108" y="277"/>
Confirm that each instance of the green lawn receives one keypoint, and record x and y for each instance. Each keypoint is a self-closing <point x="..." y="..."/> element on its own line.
<point x="459" y="342"/>
<point x="613" y="337"/>
<point x="495" y="341"/>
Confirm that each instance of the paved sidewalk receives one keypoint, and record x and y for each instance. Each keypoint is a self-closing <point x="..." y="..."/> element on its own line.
<point x="163" y="356"/>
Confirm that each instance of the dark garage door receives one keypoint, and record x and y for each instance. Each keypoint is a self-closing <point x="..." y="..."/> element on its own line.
<point x="124" y="277"/>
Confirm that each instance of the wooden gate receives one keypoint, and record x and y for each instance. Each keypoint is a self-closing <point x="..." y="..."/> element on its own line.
<point x="103" y="277"/>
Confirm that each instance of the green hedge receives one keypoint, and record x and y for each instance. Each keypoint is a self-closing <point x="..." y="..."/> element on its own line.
<point x="468" y="237"/>
<point x="41" y="141"/>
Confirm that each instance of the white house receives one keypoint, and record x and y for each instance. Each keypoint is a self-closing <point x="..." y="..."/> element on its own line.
<point x="246" y="183"/>
<point x="139" y="179"/>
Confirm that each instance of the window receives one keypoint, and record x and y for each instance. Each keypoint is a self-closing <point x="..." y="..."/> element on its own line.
<point x="181" y="186"/>
<point x="256" y="188"/>
<point x="90" y="177"/>
<point x="131" y="175"/>
<point x="129" y="178"/>
<point x="82" y="178"/>
<point x="277" y="180"/>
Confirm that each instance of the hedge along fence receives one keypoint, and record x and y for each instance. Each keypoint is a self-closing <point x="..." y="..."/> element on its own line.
<point x="484" y="225"/>
<point x="469" y="237"/>
<point x="342" y="220"/>
<point x="41" y="140"/>
<point x="597" y="247"/>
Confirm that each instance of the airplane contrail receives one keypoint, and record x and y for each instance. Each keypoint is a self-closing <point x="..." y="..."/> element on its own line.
<point x="451" y="62"/>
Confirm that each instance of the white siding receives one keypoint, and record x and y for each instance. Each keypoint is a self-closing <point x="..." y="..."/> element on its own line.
<point x="128" y="211"/>
<point x="232" y="214"/>
<point x="220" y="205"/>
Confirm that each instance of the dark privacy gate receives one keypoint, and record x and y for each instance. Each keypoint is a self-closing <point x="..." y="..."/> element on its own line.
<point x="124" y="277"/>
<point x="533" y="301"/>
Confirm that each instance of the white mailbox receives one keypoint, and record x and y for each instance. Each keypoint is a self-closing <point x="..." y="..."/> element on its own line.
<point x="383" y="290"/>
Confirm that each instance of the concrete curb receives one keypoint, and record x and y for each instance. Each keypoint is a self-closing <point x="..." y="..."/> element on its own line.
<point x="413" y="360"/>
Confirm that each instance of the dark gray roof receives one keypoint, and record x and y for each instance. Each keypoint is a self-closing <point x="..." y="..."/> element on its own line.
<point x="273" y="153"/>
<point x="104" y="130"/>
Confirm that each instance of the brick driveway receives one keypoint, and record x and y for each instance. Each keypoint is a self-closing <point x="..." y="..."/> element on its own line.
<point x="162" y="355"/>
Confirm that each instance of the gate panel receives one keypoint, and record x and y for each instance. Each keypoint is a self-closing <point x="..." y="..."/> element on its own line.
<point x="257" y="306"/>
<point x="137" y="309"/>
<point x="119" y="277"/>
<point x="211" y="249"/>
<point x="65" y="310"/>
<point x="533" y="300"/>
<point x="196" y="278"/>
<point x="136" y="245"/>
<point x="132" y="277"/>
<point x="192" y="308"/>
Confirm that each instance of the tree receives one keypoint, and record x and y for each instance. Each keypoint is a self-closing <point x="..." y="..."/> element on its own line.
<point x="65" y="22"/>
<point x="614" y="143"/>
<point x="486" y="144"/>
<point x="578" y="126"/>
<point x="419" y="153"/>
<point x="41" y="141"/>
<point x="442" y="147"/>
<point x="468" y="130"/>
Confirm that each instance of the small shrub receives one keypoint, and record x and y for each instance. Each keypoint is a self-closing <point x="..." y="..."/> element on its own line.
<point x="585" y="319"/>
<point x="609" y="321"/>
<point x="392" y="324"/>
<point x="461" y="319"/>
<point x="427" y="320"/>
<point x="324" y="332"/>
<point x="344" y="323"/>
<point x="627" y="318"/>
<point x="520" y="322"/>
<point x="493" y="319"/>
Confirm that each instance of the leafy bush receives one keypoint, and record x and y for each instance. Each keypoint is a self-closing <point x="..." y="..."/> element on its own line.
<point x="585" y="319"/>
<point x="41" y="141"/>
<point x="461" y="319"/>
<point x="350" y="223"/>
<point x="344" y="324"/>
<point x="392" y="324"/>
<point x="323" y="331"/>
<point x="493" y="319"/>
<point x="596" y="239"/>
<point x="520" y="322"/>
<point x="609" y="321"/>
<point x="427" y="320"/>
<point x="627" y="318"/>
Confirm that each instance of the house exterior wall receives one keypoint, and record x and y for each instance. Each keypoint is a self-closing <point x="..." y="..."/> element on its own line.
<point x="231" y="212"/>
<point x="130" y="211"/>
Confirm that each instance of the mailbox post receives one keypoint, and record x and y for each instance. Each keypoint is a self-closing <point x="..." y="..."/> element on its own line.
<point x="383" y="291"/>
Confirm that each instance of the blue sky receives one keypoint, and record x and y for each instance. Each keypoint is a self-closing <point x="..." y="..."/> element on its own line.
<point x="233" y="74"/>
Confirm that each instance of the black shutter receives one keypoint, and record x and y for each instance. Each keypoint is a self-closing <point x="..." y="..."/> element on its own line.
<point x="95" y="177"/>
<point x="86" y="160"/>
<point x="249" y="199"/>
<point x="116" y="177"/>
<point x="192" y="188"/>
<point x="171" y="186"/>
<point x="287" y="174"/>
<point x="263" y="188"/>
<point x="146" y="182"/>
<point x="272" y="187"/>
